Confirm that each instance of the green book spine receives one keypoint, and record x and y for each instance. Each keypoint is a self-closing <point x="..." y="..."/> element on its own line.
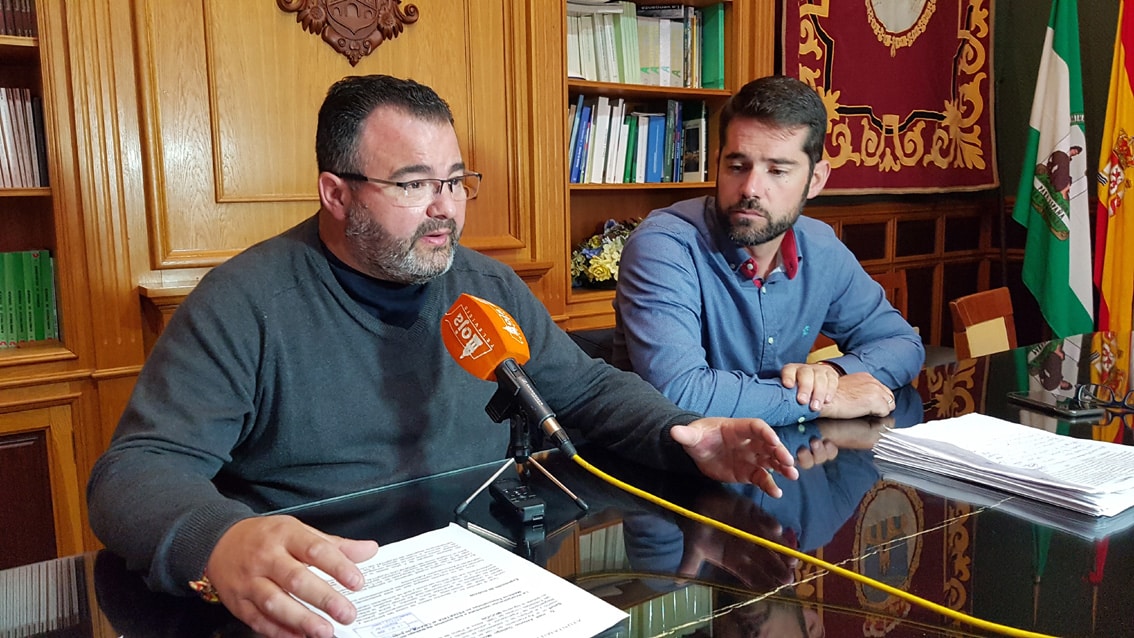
<point x="631" y="150"/>
<point x="47" y="284"/>
<point x="712" y="47"/>
<point x="17" y="297"/>
<point x="6" y="339"/>
<point x="33" y="263"/>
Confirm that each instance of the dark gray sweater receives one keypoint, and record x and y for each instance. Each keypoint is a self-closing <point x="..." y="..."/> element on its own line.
<point x="271" y="388"/>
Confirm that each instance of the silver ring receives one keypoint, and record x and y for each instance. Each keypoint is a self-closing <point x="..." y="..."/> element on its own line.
<point x="890" y="400"/>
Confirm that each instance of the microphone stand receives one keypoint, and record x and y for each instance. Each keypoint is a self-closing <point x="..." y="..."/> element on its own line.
<point x="503" y="403"/>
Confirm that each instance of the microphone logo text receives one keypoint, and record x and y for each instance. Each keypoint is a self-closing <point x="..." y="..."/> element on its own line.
<point x="469" y="335"/>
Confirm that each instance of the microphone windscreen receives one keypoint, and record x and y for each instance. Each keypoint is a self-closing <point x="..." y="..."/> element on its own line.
<point x="480" y="335"/>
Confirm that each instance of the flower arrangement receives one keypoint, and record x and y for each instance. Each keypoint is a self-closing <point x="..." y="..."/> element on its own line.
<point x="595" y="261"/>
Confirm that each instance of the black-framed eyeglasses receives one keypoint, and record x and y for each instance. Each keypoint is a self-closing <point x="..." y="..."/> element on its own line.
<point x="1094" y="394"/>
<point x="417" y="193"/>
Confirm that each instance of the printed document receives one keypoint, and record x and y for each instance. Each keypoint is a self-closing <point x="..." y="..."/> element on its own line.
<point x="451" y="582"/>
<point x="1093" y="477"/>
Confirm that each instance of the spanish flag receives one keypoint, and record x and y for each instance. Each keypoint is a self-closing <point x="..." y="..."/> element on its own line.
<point x="1114" y="221"/>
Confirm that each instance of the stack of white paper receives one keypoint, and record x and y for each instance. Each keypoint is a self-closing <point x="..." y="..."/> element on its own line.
<point x="1094" y="477"/>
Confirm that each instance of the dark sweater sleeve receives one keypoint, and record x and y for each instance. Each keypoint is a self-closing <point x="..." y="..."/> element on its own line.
<point x="151" y="496"/>
<point x="612" y="408"/>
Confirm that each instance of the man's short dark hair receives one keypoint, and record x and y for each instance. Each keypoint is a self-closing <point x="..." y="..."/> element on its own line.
<point x="352" y="99"/>
<point x="784" y="102"/>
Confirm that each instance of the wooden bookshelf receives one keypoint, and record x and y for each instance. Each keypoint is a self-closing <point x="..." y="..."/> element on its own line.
<point x="590" y="205"/>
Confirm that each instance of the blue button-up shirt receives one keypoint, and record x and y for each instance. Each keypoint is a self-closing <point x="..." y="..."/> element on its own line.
<point x="697" y="327"/>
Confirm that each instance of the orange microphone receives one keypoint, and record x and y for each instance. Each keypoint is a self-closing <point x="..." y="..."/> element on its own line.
<point x="487" y="342"/>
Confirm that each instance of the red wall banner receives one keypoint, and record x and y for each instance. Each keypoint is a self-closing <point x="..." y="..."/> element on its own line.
<point x="908" y="88"/>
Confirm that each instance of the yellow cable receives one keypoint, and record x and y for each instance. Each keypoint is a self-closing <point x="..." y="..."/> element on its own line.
<point x="763" y="542"/>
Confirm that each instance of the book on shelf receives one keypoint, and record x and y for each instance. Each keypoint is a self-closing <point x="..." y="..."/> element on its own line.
<point x="604" y="55"/>
<point x="8" y="174"/>
<point x="7" y="339"/>
<point x="630" y="165"/>
<point x="712" y="47"/>
<point x="655" y="148"/>
<point x="40" y="139"/>
<point x="574" y="54"/>
<point x="673" y="133"/>
<point x="17" y="18"/>
<point x="23" y="163"/>
<point x="596" y="154"/>
<point x="654" y="45"/>
<point x="649" y="51"/>
<point x="588" y="57"/>
<point x="670" y="11"/>
<point x="641" y="148"/>
<point x="573" y="114"/>
<point x="28" y="310"/>
<point x="576" y="7"/>
<point x="1087" y="476"/>
<point x="694" y="127"/>
<point x="626" y="36"/>
<point x="579" y="154"/>
<point x="615" y="143"/>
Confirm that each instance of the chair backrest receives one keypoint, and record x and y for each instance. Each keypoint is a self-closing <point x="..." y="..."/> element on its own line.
<point x="894" y="283"/>
<point x="983" y="323"/>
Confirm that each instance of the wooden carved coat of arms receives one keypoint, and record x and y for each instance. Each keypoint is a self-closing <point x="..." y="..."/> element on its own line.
<point x="354" y="28"/>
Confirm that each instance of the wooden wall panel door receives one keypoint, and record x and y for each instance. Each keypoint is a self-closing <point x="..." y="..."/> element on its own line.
<point x="230" y="93"/>
<point x="28" y="532"/>
<point x="42" y="481"/>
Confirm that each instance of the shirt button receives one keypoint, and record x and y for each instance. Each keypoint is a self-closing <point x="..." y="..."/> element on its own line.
<point x="771" y="339"/>
<point x="763" y="290"/>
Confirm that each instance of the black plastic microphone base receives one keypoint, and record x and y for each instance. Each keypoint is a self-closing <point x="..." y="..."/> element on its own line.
<point x="520" y="459"/>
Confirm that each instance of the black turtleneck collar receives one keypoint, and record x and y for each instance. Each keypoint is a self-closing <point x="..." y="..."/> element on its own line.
<point x="391" y="302"/>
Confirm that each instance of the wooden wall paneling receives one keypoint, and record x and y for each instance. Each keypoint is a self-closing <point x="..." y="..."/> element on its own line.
<point x="935" y="239"/>
<point x="108" y="176"/>
<point x="230" y="94"/>
<point x="753" y="30"/>
<point x="222" y="176"/>
<point x="539" y="36"/>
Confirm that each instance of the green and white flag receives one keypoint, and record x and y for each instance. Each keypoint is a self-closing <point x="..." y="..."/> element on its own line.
<point x="1052" y="201"/>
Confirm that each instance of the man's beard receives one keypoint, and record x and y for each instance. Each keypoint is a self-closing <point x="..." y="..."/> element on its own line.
<point x="743" y="230"/>
<point x="384" y="256"/>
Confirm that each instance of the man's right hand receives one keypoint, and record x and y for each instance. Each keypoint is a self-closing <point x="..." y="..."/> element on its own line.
<point x="260" y="563"/>
<point x="859" y="394"/>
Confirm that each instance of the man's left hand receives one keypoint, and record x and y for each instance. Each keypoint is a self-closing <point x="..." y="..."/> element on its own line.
<point x="814" y="383"/>
<point x="737" y="451"/>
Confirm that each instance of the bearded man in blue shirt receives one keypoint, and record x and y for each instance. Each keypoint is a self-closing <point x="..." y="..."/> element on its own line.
<point x="720" y="299"/>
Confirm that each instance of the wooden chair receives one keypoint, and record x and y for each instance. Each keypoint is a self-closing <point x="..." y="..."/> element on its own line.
<point x="894" y="283"/>
<point x="983" y="323"/>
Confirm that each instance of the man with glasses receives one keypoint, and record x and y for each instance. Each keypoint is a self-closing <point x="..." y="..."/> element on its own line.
<point x="311" y="366"/>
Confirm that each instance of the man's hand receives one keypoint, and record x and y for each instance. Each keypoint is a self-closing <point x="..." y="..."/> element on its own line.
<point x="854" y="434"/>
<point x="259" y="563"/>
<point x="818" y="452"/>
<point x="737" y="451"/>
<point x="815" y="384"/>
<point x="837" y="434"/>
<point x="859" y="394"/>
